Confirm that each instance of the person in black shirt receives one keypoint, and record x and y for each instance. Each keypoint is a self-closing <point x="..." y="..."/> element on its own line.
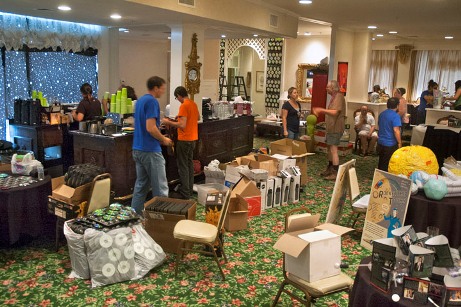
<point x="291" y="112"/>
<point x="89" y="107"/>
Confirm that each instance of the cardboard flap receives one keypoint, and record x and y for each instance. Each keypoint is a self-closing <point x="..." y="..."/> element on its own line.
<point x="339" y="230"/>
<point x="297" y="222"/>
<point x="291" y="245"/>
<point x="57" y="182"/>
<point x="65" y="191"/>
<point x="246" y="188"/>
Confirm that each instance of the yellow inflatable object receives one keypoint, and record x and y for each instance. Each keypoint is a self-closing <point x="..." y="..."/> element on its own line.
<point x="408" y="159"/>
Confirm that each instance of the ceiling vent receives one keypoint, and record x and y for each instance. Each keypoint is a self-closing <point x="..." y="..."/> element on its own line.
<point x="274" y="21"/>
<point x="190" y="3"/>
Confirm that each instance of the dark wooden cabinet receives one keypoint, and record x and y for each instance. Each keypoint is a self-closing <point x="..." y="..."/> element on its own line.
<point x="51" y="144"/>
<point x="112" y="153"/>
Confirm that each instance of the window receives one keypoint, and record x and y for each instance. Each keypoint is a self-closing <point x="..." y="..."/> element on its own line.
<point x="383" y="70"/>
<point x="442" y="66"/>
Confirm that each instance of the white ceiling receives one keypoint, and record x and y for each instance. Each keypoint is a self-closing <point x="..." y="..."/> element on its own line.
<point x="425" y="19"/>
<point x="413" y="19"/>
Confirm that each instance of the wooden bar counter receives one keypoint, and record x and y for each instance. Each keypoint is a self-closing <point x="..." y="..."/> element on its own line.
<point x="219" y="139"/>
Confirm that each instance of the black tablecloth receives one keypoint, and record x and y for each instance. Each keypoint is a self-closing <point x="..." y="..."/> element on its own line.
<point x="364" y="294"/>
<point x="444" y="214"/>
<point x="23" y="211"/>
<point x="443" y="143"/>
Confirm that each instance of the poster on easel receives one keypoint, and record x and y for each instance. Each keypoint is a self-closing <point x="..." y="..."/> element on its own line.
<point x="387" y="207"/>
<point x="346" y="183"/>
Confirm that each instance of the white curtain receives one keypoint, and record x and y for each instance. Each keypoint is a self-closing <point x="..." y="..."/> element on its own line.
<point x="383" y="70"/>
<point x="442" y="66"/>
<point x="17" y="30"/>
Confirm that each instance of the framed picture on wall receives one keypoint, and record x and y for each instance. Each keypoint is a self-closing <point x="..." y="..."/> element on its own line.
<point x="260" y="79"/>
<point x="342" y="76"/>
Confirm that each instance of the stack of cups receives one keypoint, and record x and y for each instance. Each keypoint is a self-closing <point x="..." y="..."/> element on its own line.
<point x="129" y="105"/>
<point x="113" y="105"/>
<point x="118" y="102"/>
<point x="123" y="109"/>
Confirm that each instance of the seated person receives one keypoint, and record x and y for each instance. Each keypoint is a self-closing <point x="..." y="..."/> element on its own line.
<point x="365" y="127"/>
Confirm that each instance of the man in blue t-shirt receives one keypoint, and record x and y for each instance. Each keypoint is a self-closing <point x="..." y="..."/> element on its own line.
<point x="147" y="151"/>
<point x="389" y="133"/>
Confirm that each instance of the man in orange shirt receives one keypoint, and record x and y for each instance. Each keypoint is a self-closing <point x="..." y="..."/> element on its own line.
<point x="187" y="125"/>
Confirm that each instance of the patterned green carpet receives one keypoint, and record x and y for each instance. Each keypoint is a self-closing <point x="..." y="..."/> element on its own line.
<point x="34" y="275"/>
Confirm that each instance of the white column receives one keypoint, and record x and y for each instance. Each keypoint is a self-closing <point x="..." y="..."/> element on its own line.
<point x="181" y="36"/>
<point x="361" y="67"/>
<point x="108" y="61"/>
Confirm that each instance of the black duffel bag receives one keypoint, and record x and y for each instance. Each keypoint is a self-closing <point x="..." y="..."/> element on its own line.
<point x="81" y="174"/>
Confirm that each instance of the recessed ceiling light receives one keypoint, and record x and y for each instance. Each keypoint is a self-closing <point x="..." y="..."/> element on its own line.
<point x="64" y="8"/>
<point x="373" y="39"/>
<point x="372" y="27"/>
<point x="115" y="16"/>
<point x="307" y="33"/>
<point x="392" y="32"/>
<point x="122" y="29"/>
<point x="223" y="36"/>
<point x="305" y="2"/>
<point x="255" y="35"/>
<point x="379" y="35"/>
<point x="448" y="37"/>
<point x="169" y="37"/>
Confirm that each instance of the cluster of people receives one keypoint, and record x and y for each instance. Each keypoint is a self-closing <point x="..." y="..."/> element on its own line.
<point x="429" y="96"/>
<point x="148" y="139"/>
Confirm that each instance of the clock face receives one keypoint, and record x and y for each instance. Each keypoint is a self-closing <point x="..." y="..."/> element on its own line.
<point x="192" y="75"/>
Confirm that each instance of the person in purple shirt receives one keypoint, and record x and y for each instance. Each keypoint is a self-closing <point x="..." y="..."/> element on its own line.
<point x="426" y="101"/>
<point x="389" y="139"/>
<point x="147" y="150"/>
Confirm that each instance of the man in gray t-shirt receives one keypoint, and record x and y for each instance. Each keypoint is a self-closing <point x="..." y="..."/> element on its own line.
<point x="365" y="127"/>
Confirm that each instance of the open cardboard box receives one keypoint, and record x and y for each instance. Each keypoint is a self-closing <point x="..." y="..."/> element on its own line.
<point x="312" y="251"/>
<point x="260" y="162"/>
<point x="67" y="194"/>
<point x="294" y="149"/>
<point x="250" y="192"/>
<point x="237" y="214"/>
<point x="233" y="170"/>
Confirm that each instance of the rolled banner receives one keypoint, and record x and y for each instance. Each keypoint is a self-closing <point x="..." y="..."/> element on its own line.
<point x="124" y="92"/>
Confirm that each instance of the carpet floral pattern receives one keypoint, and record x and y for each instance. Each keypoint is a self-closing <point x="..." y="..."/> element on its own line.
<point x="35" y="275"/>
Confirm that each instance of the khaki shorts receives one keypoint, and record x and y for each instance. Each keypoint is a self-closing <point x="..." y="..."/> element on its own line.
<point x="333" y="139"/>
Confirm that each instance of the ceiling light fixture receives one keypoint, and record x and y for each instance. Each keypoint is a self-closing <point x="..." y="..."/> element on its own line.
<point x="255" y="35"/>
<point x="64" y="8"/>
<point x="305" y="2"/>
<point x="169" y="37"/>
<point x="122" y="29"/>
<point x="392" y="32"/>
<point x="307" y="33"/>
<point x="379" y="35"/>
<point x="373" y="39"/>
<point x="223" y="36"/>
<point x="448" y="37"/>
<point x="372" y="27"/>
<point x="115" y="16"/>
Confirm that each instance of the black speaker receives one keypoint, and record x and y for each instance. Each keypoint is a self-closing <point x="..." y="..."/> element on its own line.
<point x="35" y="113"/>
<point x="17" y="111"/>
<point x="25" y="112"/>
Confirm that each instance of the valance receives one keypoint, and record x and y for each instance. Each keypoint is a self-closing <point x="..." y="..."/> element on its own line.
<point x="17" y="31"/>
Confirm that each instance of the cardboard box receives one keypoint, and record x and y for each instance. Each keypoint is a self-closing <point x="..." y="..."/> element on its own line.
<point x="296" y="150"/>
<point x="203" y="190"/>
<point x="233" y="175"/>
<point x="160" y="226"/>
<point x="214" y="176"/>
<point x="277" y="191"/>
<point x="67" y="194"/>
<point x="262" y="186"/>
<point x="64" y="210"/>
<point x="270" y="194"/>
<point x="237" y="214"/>
<point x="286" y="183"/>
<point x="264" y="162"/>
<point x="284" y="161"/>
<point x="312" y="252"/>
<point x="248" y="190"/>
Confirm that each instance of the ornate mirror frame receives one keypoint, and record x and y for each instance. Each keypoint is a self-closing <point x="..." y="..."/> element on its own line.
<point x="302" y="68"/>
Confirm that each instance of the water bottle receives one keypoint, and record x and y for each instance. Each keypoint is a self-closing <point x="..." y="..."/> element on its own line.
<point x="40" y="173"/>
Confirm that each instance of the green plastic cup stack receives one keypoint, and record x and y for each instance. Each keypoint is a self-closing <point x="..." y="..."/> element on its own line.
<point x="123" y="107"/>
<point x="118" y="102"/>
<point x="113" y="105"/>
<point x="129" y="105"/>
<point x="34" y="94"/>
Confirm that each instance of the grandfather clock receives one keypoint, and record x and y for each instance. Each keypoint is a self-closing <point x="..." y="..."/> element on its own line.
<point x="192" y="79"/>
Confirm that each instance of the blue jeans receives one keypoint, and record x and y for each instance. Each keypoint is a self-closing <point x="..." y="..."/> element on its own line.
<point x="150" y="174"/>
<point x="293" y="135"/>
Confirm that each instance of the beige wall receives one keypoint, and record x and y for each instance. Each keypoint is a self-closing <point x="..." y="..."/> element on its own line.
<point x="139" y="60"/>
<point x="308" y="50"/>
<point x="403" y="74"/>
<point x="211" y="59"/>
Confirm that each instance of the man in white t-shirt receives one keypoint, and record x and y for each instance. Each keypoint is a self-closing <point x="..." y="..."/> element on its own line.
<point x="365" y="125"/>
